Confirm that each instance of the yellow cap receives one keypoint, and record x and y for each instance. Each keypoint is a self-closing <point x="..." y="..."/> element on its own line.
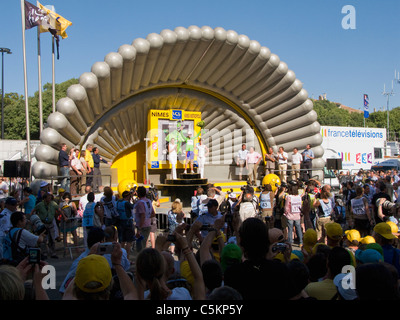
<point x="334" y="230"/>
<point x="93" y="268"/>
<point x="353" y="235"/>
<point x="384" y="229"/>
<point x="367" y="240"/>
<point x="393" y="226"/>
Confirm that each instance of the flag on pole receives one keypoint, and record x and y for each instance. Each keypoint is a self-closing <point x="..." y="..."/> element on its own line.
<point x="366" y="106"/>
<point x="34" y="16"/>
<point x="56" y="22"/>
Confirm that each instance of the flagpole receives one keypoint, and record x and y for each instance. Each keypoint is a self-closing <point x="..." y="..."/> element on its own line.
<point x="54" y="84"/>
<point x="40" y="83"/>
<point x="28" y="139"/>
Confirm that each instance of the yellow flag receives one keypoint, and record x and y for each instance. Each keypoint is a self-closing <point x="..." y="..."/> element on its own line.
<point x="56" y="22"/>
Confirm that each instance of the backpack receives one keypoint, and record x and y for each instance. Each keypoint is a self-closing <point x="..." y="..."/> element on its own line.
<point x="11" y="249"/>
<point x="339" y="214"/>
<point x="122" y="210"/>
<point x="247" y="210"/>
<point x="109" y="207"/>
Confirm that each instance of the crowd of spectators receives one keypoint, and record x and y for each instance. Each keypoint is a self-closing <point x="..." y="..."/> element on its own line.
<point x="297" y="241"/>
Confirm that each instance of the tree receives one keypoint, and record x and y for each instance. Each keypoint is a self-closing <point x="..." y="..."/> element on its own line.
<point x="14" y="110"/>
<point x="329" y="114"/>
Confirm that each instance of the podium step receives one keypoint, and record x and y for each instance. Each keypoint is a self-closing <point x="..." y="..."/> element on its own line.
<point x="189" y="176"/>
<point x="182" y="182"/>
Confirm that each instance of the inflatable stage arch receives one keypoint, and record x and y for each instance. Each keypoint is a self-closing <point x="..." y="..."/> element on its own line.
<point x="238" y="85"/>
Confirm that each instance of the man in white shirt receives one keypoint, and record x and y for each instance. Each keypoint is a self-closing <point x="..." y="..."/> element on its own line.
<point x="252" y="161"/>
<point x="241" y="160"/>
<point x="3" y="191"/>
<point x="297" y="159"/>
<point x="282" y="157"/>
<point x="76" y="171"/>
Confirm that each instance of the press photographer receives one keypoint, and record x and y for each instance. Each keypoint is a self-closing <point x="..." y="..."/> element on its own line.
<point x="386" y="209"/>
<point x="247" y="204"/>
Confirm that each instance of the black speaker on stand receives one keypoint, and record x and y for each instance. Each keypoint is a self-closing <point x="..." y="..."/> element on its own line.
<point x="17" y="169"/>
<point x="334" y="164"/>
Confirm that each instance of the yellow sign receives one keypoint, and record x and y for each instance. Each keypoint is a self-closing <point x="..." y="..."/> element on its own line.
<point x="165" y="125"/>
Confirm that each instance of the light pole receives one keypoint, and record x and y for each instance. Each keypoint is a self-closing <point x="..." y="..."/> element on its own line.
<point x="388" y="94"/>
<point x="8" y="51"/>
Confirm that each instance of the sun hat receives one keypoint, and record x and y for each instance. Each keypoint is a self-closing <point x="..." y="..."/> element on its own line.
<point x="334" y="230"/>
<point x="393" y="226"/>
<point x="346" y="294"/>
<point x="367" y="240"/>
<point x="93" y="268"/>
<point x="230" y="254"/>
<point x="368" y="256"/>
<point x="375" y="246"/>
<point x="43" y="184"/>
<point x="353" y="235"/>
<point x="11" y="201"/>
<point x="384" y="230"/>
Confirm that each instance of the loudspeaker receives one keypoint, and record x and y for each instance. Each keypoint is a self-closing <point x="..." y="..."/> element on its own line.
<point x="334" y="164"/>
<point x="17" y="169"/>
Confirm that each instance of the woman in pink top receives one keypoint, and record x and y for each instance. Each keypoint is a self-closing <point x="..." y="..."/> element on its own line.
<point x="292" y="215"/>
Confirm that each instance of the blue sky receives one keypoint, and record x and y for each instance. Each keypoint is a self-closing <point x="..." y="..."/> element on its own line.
<point x="306" y="34"/>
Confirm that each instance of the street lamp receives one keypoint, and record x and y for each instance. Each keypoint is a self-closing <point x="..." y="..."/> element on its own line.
<point x="8" y="51"/>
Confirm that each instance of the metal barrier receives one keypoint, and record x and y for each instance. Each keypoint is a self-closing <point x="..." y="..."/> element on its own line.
<point x="162" y="221"/>
<point x="80" y="235"/>
<point x="80" y="184"/>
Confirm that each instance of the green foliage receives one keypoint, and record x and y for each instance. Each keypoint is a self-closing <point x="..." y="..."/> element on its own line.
<point x="14" y="110"/>
<point x="330" y="115"/>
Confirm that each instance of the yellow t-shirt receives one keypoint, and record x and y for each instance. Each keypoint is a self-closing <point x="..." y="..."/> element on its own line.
<point x="89" y="158"/>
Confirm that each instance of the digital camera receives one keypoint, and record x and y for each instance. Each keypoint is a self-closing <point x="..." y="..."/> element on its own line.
<point x="38" y="225"/>
<point x="279" y="247"/>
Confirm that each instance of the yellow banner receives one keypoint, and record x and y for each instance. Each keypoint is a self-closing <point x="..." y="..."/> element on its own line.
<point x="56" y="22"/>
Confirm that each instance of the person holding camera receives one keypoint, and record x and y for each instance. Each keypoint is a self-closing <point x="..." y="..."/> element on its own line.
<point x="18" y="240"/>
<point x="381" y="193"/>
<point x="47" y="210"/>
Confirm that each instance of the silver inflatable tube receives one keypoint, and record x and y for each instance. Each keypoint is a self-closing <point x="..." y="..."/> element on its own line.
<point x="128" y="54"/>
<point x="68" y="108"/>
<point x="60" y="123"/>
<point x="89" y="81"/>
<point x="78" y="93"/>
<point x="103" y="73"/>
<point x="109" y="107"/>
